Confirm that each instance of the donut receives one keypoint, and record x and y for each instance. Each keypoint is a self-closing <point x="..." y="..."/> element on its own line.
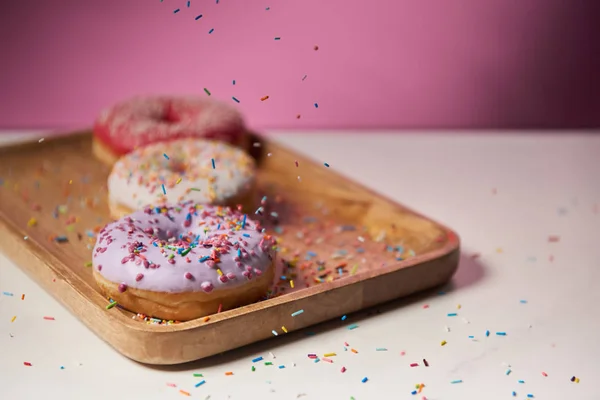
<point x="141" y="121"/>
<point x="200" y="170"/>
<point x="183" y="261"/>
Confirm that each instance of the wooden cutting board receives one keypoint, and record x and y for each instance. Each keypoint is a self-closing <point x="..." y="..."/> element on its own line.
<point x="342" y="248"/>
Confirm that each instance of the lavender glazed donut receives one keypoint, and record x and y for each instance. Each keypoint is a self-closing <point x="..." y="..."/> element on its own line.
<point x="183" y="262"/>
<point x="141" y="121"/>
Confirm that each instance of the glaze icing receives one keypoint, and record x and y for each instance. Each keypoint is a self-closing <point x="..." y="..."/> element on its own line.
<point x="203" y="171"/>
<point x="144" y="120"/>
<point x="183" y="248"/>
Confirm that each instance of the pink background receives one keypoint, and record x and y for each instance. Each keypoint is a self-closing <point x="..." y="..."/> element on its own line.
<point x="380" y="63"/>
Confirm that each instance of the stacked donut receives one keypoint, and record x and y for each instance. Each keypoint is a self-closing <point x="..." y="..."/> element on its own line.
<point x="181" y="247"/>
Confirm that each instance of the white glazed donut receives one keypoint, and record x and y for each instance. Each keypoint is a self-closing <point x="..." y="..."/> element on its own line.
<point x="198" y="170"/>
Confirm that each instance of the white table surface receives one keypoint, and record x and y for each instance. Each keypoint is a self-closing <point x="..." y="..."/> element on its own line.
<point x="505" y="194"/>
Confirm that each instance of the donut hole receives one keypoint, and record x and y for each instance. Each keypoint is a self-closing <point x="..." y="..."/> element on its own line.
<point x="168" y="116"/>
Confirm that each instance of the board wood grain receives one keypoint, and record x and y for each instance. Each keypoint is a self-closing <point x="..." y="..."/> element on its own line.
<point x="57" y="188"/>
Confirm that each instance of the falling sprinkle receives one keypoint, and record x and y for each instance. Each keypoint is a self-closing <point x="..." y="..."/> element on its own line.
<point x="211" y="31"/>
<point x="274" y="333"/>
<point x="198" y="17"/>
<point x="316" y="105"/>
<point x="264" y="98"/>
<point x="304" y="77"/>
<point x="212" y="160"/>
<point x="111" y="305"/>
<point x="277" y="38"/>
<point x="296" y="313"/>
<point x="163" y="189"/>
<point x="234" y="99"/>
<point x="188" y="3"/>
<point x="41" y="140"/>
<point x="176" y="11"/>
<point x="166" y="156"/>
<point x="325" y="164"/>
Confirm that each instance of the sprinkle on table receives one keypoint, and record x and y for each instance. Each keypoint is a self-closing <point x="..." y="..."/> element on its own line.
<point x="27" y="364"/>
<point x="364" y="380"/>
<point x="7" y="294"/>
<point x="500" y="333"/>
<point x="456" y="381"/>
<point x="13" y="319"/>
<point x="257" y="359"/>
<point x="443" y="343"/>
<point x="49" y="318"/>
<point x="452" y="314"/>
<point x="353" y="326"/>
<point x="202" y="382"/>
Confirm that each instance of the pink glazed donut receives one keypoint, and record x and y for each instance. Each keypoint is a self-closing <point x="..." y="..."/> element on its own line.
<point x="184" y="262"/>
<point x="141" y="121"/>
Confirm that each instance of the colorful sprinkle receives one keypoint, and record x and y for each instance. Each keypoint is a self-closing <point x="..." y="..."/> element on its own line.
<point x="235" y="99"/>
<point x="296" y="313"/>
<point x="364" y="379"/>
<point x="456" y="381"/>
<point x="257" y="359"/>
<point x="202" y="382"/>
<point x="196" y="19"/>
